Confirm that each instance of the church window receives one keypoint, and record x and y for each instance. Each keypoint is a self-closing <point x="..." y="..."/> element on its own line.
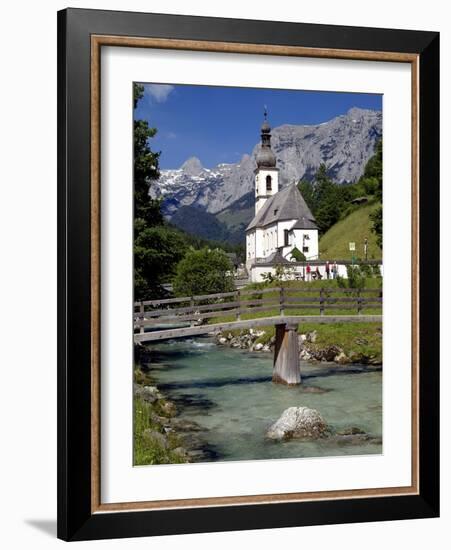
<point x="305" y="249"/>
<point x="287" y="237"/>
<point x="268" y="183"/>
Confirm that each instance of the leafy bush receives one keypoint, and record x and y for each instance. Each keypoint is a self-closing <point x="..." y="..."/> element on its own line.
<point x="356" y="279"/>
<point x="377" y="271"/>
<point x="203" y="271"/>
<point x="282" y="273"/>
<point x="366" y="270"/>
<point x="298" y="255"/>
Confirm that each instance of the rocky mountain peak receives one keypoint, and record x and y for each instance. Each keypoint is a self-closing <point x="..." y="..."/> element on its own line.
<point x="192" y="166"/>
<point x="344" y="144"/>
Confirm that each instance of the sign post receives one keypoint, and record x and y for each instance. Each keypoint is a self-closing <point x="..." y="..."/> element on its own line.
<point x="352" y="249"/>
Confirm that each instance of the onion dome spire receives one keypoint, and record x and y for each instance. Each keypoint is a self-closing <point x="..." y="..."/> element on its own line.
<point x="265" y="157"/>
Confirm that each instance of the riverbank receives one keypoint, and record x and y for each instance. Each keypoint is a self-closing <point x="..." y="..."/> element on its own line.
<point x="342" y="343"/>
<point x="161" y="435"/>
<point x="153" y="440"/>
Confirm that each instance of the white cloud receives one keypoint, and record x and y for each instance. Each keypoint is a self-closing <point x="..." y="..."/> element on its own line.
<point x="158" y="92"/>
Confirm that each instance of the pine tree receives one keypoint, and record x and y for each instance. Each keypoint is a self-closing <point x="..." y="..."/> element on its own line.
<point x="146" y="167"/>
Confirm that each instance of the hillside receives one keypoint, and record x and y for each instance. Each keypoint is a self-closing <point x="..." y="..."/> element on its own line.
<point x="198" y="222"/>
<point x="237" y="217"/>
<point x="334" y="244"/>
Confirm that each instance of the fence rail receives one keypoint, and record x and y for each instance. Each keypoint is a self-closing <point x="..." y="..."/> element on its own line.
<point x="196" y="310"/>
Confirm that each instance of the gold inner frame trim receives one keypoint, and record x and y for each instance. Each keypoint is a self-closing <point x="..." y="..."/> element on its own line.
<point x="97" y="41"/>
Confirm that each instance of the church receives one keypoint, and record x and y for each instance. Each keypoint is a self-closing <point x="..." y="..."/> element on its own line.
<point x="283" y="225"/>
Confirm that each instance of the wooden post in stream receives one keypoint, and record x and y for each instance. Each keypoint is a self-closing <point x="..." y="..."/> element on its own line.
<point x="286" y="368"/>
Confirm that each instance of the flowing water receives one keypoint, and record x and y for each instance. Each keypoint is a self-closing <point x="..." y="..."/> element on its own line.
<point x="229" y="393"/>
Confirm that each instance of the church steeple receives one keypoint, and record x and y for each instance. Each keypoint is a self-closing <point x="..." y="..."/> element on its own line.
<point x="266" y="174"/>
<point x="266" y="157"/>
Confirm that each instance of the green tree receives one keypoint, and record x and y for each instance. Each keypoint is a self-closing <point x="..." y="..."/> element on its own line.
<point x="146" y="167"/>
<point x="373" y="172"/>
<point x="376" y="218"/>
<point x="328" y="200"/>
<point x="157" y="251"/>
<point x="203" y="271"/>
<point x="307" y="191"/>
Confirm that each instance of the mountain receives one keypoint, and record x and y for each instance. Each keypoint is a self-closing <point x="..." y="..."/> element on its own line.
<point x="344" y="144"/>
<point x="199" y="222"/>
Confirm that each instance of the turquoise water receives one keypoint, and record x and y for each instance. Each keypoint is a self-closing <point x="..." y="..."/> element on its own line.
<point x="229" y="393"/>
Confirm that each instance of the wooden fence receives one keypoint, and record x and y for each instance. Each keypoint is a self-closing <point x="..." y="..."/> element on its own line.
<point x="196" y="310"/>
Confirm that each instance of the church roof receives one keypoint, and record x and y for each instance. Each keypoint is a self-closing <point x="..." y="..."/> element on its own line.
<point x="287" y="204"/>
<point x="274" y="258"/>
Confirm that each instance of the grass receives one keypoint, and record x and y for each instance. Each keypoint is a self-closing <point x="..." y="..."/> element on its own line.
<point x="145" y="417"/>
<point x="362" y="339"/>
<point x="334" y="244"/>
<point x="315" y="288"/>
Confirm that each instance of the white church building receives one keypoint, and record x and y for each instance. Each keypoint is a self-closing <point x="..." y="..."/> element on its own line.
<point x="283" y="221"/>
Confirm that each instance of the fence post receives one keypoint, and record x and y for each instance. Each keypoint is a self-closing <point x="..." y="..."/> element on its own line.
<point x="238" y="299"/>
<point x="141" y="318"/>
<point x="281" y="302"/>
<point x="321" y="302"/>
<point x="359" y="302"/>
<point x="191" y="303"/>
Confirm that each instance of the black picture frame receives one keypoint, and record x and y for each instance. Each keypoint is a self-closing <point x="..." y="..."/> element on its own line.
<point x="76" y="521"/>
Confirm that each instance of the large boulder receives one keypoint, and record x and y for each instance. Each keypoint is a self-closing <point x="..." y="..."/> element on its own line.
<point x="298" y="423"/>
<point x="147" y="393"/>
<point x="341" y="358"/>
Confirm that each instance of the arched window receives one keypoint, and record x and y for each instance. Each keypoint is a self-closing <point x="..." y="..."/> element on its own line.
<point x="268" y="183"/>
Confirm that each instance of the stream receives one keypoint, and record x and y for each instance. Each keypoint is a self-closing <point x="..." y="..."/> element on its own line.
<point x="229" y="393"/>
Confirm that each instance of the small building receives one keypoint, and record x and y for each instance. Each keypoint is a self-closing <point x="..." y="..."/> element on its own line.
<point x="283" y="225"/>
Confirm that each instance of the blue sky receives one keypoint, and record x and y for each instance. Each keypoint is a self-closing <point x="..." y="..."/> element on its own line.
<point x="219" y="124"/>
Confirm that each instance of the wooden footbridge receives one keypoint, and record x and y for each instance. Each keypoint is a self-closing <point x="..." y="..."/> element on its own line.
<point x="283" y="307"/>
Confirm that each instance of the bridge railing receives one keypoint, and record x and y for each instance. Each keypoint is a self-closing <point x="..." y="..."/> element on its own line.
<point x="201" y="309"/>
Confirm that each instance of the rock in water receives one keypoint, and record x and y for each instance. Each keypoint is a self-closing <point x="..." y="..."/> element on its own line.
<point x="298" y="423"/>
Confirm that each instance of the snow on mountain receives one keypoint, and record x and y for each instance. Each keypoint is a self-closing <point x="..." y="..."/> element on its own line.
<point x="344" y="144"/>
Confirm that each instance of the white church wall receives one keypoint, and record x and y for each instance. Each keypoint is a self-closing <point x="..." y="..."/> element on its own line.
<point x="259" y="249"/>
<point x="299" y="271"/>
<point x="281" y="227"/>
<point x="250" y="249"/>
<point x="308" y="238"/>
<point x="269" y="244"/>
<point x="256" y="274"/>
